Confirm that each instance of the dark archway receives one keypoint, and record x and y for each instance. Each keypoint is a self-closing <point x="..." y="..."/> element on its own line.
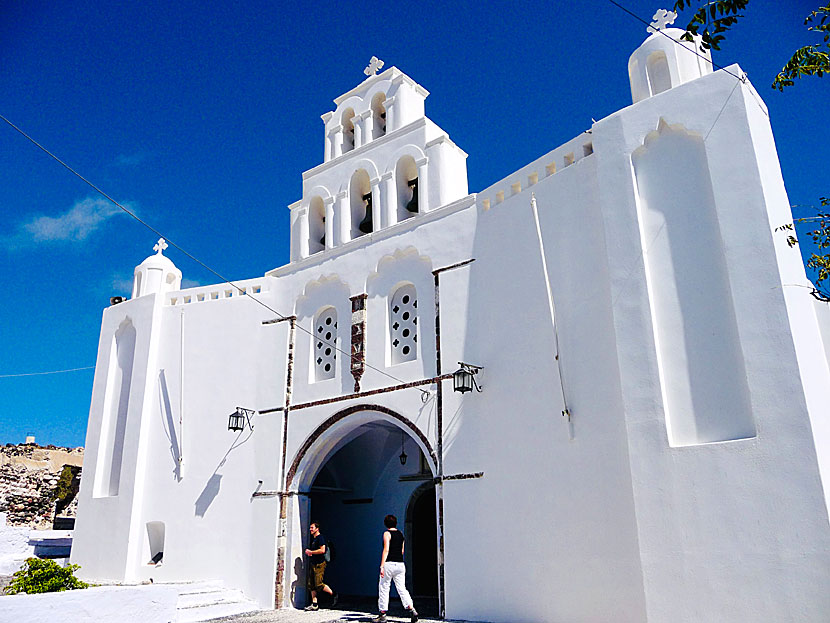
<point x="422" y="536"/>
<point x="347" y="475"/>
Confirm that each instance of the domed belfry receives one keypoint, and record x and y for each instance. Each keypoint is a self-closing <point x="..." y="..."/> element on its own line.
<point x="384" y="162"/>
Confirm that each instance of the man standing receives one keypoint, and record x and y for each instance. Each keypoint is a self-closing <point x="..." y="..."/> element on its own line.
<point x="392" y="569"/>
<point x="316" y="553"/>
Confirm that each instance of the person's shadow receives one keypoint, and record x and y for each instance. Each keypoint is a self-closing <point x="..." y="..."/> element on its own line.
<point x="299" y="580"/>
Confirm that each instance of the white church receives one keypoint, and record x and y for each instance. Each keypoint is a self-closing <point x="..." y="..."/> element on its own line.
<point x="590" y="392"/>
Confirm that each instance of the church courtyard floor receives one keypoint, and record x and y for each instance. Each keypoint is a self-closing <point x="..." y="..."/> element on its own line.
<point x="321" y="616"/>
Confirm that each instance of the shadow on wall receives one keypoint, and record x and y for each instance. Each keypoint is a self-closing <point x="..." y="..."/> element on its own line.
<point x="208" y="494"/>
<point x="299" y="581"/>
<point x="170" y="428"/>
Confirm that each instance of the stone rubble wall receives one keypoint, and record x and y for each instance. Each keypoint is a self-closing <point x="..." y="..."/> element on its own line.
<point x="29" y="476"/>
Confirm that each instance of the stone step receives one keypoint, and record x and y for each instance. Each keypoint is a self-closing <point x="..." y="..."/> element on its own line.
<point x="201" y="601"/>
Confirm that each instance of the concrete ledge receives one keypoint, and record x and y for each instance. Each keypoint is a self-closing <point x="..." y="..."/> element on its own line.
<point x="101" y="604"/>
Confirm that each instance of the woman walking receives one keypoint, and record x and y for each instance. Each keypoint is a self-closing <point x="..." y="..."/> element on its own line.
<point x="392" y="569"/>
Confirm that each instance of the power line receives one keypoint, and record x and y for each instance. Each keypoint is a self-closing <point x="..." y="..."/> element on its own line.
<point x="242" y="291"/>
<point x="692" y="49"/>
<point x="10" y="376"/>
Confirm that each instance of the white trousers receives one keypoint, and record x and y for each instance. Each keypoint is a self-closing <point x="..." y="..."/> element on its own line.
<point x="393" y="571"/>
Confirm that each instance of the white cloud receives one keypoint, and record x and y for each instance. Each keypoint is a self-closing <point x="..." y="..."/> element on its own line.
<point x="74" y="225"/>
<point x="189" y="283"/>
<point x="122" y="286"/>
<point x="129" y="160"/>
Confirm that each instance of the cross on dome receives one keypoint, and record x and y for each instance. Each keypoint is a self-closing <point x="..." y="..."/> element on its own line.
<point x="375" y="65"/>
<point x="661" y="19"/>
<point x="160" y="246"/>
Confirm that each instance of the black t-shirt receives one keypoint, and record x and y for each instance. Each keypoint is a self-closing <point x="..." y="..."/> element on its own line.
<point x="316" y="543"/>
<point x="395" y="547"/>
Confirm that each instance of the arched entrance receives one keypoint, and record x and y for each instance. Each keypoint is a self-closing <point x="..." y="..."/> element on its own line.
<point x="422" y="556"/>
<point x="347" y="476"/>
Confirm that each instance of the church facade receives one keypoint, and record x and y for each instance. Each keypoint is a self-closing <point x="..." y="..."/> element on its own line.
<point x="647" y="437"/>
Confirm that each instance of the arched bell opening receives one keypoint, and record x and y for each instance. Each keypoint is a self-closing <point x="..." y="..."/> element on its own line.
<point x="352" y="472"/>
<point x="316" y="225"/>
<point x="379" y="115"/>
<point x="406" y="184"/>
<point x="360" y="202"/>
<point x="657" y="70"/>
<point x="348" y="129"/>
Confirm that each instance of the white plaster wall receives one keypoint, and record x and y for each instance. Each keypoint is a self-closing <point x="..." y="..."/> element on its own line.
<point x="103" y="604"/>
<point x="14" y="546"/>
<point x="726" y="520"/>
<point x="103" y="537"/>
<point x="214" y="528"/>
<point x="555" y="502"/>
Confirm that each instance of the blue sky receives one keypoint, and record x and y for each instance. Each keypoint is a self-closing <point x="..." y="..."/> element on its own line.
<point x="202" y="117"/>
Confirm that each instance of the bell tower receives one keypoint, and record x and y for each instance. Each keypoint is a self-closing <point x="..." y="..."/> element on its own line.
<point x="384" y="162"/>
<point x="665" y="60"/>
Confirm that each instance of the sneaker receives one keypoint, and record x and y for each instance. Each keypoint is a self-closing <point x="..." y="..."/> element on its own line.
<point x="381" y="618"/>
<point x="312" y="607"/>
<point x="334" y="599"/>
<point x="413" y="616"/>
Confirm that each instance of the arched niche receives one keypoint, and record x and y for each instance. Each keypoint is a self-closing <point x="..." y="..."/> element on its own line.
<point x="406" y="187"/>
<point x="116" y="408"/>
<point x="379" y="115"/>
<point x="347" y="123"/>
<point x="657" y="70"/>
<point x="699" y="355"/>
<point x="360" y="203"/>
<point x="316" y="225"/>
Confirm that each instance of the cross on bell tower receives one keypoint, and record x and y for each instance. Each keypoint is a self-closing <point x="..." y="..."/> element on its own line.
<point x="375" y="65"/>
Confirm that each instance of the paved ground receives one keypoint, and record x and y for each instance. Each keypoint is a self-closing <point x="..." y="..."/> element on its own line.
<point x="321" y="616"/>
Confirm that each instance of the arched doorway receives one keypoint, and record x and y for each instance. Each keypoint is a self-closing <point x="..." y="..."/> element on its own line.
<point x="422" y="533"/>
<point x="347" y="476"/>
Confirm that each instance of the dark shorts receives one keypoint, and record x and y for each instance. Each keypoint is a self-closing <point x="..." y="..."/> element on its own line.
<point x="314" y="576"/>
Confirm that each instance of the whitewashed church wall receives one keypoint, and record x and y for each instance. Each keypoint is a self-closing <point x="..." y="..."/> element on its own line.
<point x="526" y="513"/>
<point x="807" y="316"/>
<point x="103" y="535"/>
<point x="198" y="499"/>
<point x="760" y="494"/>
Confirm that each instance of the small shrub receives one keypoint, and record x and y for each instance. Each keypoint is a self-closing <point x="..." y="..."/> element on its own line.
<point x="44" y="576"/>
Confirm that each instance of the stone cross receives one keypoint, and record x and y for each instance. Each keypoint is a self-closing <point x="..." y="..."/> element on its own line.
<point x="160" y="246"/>
<point x="661" y="19"/>
<point x="374" y="66"/>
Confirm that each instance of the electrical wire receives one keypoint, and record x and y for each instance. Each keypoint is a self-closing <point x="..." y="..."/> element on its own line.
<point x="11" y="376"/>
<point x="648" y="24"/>
<point x="241" y="290"/>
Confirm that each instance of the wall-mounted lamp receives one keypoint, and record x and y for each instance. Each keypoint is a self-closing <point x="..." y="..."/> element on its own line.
<point x="237" y="419"/>
<point x="463" y="379"/>
<point x="403" y="456"/>
<point x="115" y="300"/>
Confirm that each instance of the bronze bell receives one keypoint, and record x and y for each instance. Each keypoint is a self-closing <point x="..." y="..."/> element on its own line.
<point x="323" y="237"/>
<point x="412" y="206"/>
<point x="366" y="224"/>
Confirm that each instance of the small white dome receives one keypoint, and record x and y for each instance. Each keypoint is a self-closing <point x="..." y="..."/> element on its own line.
<point x="664" y="61"/>
<point x="156" y="274"/>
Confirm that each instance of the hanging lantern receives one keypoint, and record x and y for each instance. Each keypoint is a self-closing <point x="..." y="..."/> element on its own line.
<point x="237" y="419"/>
<point x="403" y="456"/>
<point x="463" y="379"/>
